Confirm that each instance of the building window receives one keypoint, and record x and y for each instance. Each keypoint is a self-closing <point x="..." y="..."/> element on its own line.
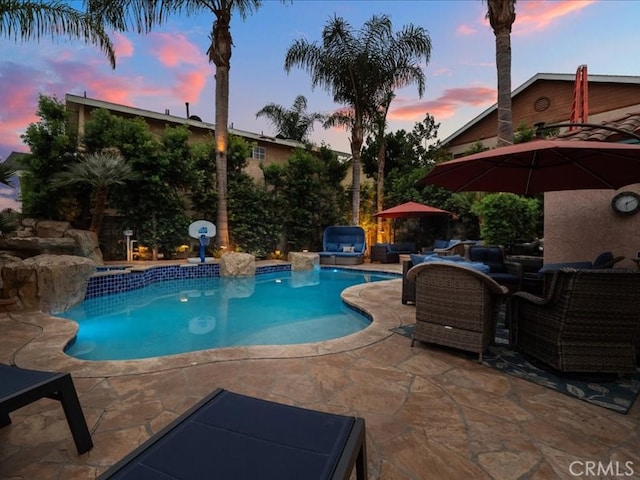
<point x="259" y="153"/>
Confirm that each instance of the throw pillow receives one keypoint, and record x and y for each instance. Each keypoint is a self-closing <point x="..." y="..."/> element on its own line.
<point x="348" y="248"/>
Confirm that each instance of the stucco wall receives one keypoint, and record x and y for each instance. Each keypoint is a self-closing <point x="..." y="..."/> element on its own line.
<point x="580" y="224"/>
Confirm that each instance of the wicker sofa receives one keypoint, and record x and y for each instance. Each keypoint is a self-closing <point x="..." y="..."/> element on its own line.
<point x="588" y="321"/>
<point x="456" y="306"/>
<point x="390" y="252"/>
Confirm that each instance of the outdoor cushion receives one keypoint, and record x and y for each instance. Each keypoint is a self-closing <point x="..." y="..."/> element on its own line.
<point x="438" y="243"/>
<point x="331" y="247"/>
<point x="345" y="247"/>
<point x="402" y="247"/>
<point x="416" y="258"/>
<point x="479" y="266"/>
<point x="233" y="436"/>
<point x="491" y="256"/>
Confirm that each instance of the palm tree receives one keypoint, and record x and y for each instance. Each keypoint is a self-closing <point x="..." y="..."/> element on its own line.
<point x="31" y="19"/>
<point x="399" y="60"/>
<point x="502" y="14"/>
<point x="355" y="68"/>
<point x="293" y="123"/>
<point x="100" y="171"/>
<point x="144" y="14"/>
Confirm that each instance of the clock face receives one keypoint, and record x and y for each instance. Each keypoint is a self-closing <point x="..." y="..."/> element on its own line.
<point x="626" y="203"/>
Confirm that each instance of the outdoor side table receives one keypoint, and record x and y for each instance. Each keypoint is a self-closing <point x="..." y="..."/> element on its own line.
<point x="232" y="436"/>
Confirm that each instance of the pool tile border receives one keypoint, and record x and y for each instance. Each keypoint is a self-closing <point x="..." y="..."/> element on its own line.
<point x="124" y="280"/>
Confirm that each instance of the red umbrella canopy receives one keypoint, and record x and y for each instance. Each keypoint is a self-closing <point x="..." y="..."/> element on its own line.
<point x="411" y="209"/>
<point x="541" y="166"/>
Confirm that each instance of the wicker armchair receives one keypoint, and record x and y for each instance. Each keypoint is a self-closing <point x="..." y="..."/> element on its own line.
<point x="408" y="286"/>
<point x="588" y="321"/>
<point x="456" y="306"/>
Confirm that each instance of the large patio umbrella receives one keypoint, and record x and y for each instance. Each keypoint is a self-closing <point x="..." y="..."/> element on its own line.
<point x="542" y="166"/>
<point x="411" y="209"/>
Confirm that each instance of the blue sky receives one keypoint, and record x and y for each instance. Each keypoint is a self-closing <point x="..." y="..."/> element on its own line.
<point x="169" y="67"/>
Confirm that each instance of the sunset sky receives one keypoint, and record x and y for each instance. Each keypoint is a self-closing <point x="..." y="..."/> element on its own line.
<point x="169" y="67"/>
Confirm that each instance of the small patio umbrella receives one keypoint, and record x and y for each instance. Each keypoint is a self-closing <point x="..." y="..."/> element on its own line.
<point x="541" y="166"/>
<point x="411" y="209"/>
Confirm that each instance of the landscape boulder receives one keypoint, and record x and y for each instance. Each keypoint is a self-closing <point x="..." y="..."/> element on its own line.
<point x="47" y="283"/>
<point x="39" y="237"/>
<point x="236" y="264"/>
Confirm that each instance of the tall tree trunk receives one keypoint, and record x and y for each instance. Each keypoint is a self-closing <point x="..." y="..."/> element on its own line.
<point x="502" y="15"/>
<point x="380" y="186"/>
<point x="503" y="63"/>
<point x="382" y="153"/>
<point x="99" y="206"/>
<point x="220" y="55"/>
<point x="222" y="116"/>
<point x="357" y="138"/>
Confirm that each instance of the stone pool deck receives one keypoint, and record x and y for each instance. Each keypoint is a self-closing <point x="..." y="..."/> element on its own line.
<point x="430" y="412"/>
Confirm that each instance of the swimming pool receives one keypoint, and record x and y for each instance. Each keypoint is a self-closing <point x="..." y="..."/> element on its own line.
<point x="186" y="315"/>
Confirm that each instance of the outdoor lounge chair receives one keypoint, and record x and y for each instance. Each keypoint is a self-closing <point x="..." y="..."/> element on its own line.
<point x="588" y="321"/>
<point x="456" y="306"/>
<point x="343" y="245"/>
<point x="228" y="436"/>
<point x="20" y="387"/>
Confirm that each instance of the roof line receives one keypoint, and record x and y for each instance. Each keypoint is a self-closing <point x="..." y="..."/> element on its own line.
<point x="564" y="77"/>
<point x="82" y="100"/>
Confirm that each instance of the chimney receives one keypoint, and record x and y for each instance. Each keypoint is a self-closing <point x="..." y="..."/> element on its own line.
<point x="186" y="104"/>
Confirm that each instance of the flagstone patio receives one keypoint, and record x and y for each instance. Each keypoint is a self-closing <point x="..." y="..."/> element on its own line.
<point x="430" y="412"/>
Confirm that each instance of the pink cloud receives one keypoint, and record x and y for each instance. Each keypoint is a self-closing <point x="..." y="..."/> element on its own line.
<point x="442" y="71"/>
<point x="446" y="105"/>
<point x="535" y="15"/>
<point x="190" y="84"/>
<point x="466" y="30"/>
<point x="122" y="46"/>
<point x="81" y="74"/>
<point x="174" y="49"/>
<point x="19" y="97"/>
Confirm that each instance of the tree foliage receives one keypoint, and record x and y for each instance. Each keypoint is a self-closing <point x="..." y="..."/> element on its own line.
<point x="152" y="202"/>
<point x="100" y="172"/>
<point x="308" y="196"/>
<point x="53" y="149"/>
<point x="507" y="218"/>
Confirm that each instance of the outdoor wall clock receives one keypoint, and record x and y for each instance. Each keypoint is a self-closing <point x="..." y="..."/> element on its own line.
<point x="626" y="203"/>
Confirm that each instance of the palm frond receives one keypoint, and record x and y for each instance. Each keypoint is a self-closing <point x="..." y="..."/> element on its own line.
<point x="25" y="20"/>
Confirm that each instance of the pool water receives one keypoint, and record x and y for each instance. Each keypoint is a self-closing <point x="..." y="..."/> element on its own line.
<point x="187" y="315"/>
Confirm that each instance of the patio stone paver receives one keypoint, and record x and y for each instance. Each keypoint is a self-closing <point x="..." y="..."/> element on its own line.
<point x="430" y="412"/>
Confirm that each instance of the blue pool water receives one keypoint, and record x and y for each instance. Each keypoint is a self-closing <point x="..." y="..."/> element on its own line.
<point x="186" y="315"/>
